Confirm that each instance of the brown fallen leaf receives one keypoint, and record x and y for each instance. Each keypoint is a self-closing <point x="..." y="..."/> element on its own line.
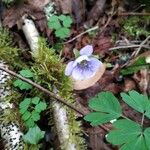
<point x="13" y="15"/>
<point x="142" y="79"/>
<point x="96" y="138"/>
<point x="78" y="8"/>
<point x="95" y="12"/>
<point x="65" y="6"/>
<point x="102" y="45"/>
<point x="38" y="4"/>
<point x="129" y="84"/>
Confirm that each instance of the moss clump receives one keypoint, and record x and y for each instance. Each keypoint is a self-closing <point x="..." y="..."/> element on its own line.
<point x="8" y="53"/>
<point x="9" y="3"/>
<point x="49" y="71"/>
<point x="136" y="26"/>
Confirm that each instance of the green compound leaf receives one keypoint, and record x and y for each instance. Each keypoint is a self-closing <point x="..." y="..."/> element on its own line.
<point x="26" y="115"/>
<point x="35" y="100"/>
<point x="128" y="134"/>
<point x="40" y="107"/>
<point x="30" y="109"/>
<point x="34" y="135"/>
<point x="106" y="106"/>
<point x="26" y="73"/>
<point x="137" y="101"/>
<point x="30" y="123"/>
<point x="23" y="110"/>
<point x="62" y="32"/>
<point x="54" y="23"/>
<point x="67" y="21"/>
<point x="24" y="105"/>
<point x="35" y="116"/>
<point x="62" y="17"/>
<point x="139" y="64"/>
<point x="22" y="85"/>
<point x="147" y="135"/>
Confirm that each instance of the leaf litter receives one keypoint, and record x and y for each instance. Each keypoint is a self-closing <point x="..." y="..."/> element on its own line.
<point x="134" y="77"/>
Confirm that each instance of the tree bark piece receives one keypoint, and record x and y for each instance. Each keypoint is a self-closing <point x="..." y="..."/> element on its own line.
<point x="10" y="132"/>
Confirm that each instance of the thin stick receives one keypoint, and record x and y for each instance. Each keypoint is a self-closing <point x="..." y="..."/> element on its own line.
<point x="59" y="99"/>
<point x="135" y="53"/>
<point x="141" y="45"/>
<point x="134" y="14"/>
<point x="63" y="101"/>
<point x="128" y="46"/>
<point x="89" y="30"/>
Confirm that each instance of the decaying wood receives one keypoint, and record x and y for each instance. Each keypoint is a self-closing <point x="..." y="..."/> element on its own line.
<point x="10" y="132"/>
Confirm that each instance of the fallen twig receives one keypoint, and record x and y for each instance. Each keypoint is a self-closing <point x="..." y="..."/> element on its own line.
<point x="54" y="96"/>
<point x="128" y="46"/>
<point x="135" y="53"/>
<point x="59" y="99"/>
<point x="89" y="30"/>
<point x="141" y="45"/>
<point x="134" y="14"/>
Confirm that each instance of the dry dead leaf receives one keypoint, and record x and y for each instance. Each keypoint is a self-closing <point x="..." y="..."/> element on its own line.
<point x="13" y="15"/>
<point x="142" y="78"/>
<point x="65" y="6"/>
<point x="38" y="4"/>
<point x="129" y="84"/>
<point x="78" y="8"/>
<point x="102" y="45"/>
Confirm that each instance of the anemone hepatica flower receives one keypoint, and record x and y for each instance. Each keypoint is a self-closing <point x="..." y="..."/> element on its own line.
<point x="85" y="66"/>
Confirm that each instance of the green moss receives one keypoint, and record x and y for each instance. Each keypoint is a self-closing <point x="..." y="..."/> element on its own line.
<point x="136" y="26"/>
<point x="8" y="52"/>
<point x="49" y="72"/>
<point x="8" y="3"/>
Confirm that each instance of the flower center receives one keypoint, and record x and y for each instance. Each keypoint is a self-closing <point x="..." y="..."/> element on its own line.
<point x="83" y="64"/>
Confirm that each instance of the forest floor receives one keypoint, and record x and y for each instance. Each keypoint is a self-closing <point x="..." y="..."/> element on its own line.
<point x="118" y="30"/>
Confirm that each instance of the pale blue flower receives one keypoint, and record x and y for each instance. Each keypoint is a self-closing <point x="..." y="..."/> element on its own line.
<point x="85" y="66"/>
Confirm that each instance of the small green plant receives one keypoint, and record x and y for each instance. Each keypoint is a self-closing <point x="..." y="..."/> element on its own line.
<point x="21" y="84"/>
<point x="34" y="135"/>
<point x="139" y="64"/>
<point x="126" y="133"/>
<point x="136" y="26"/>
<point x="30" y="109"/>
<point x="61" y="25"/>
<point x="8" y="2"/>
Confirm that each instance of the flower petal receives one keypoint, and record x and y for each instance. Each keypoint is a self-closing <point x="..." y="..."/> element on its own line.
<point x="69" y="68"/>
<point x="87" y="50"/>
<point x="81" y="74"/>
<point x="80" y="59"/>
<point x="94" y="64"/>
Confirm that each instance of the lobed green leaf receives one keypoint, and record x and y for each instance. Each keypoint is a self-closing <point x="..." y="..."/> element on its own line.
<point x="106" y="106"/>
<point x="22" y="85"/>
<point x="27" y="73"/>
<point x="34" y="135"/>
<point x="137" y="101"/>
